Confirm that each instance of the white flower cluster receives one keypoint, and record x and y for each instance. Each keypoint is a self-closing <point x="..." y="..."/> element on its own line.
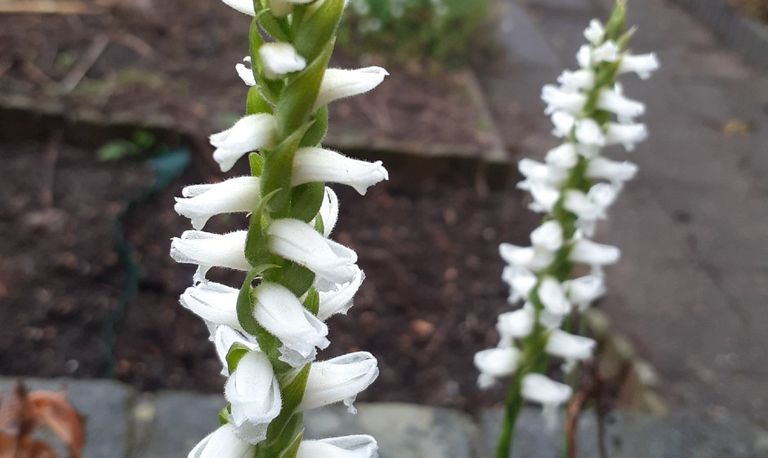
<point x="573" y="187"/>
<point x="253" y="390"/>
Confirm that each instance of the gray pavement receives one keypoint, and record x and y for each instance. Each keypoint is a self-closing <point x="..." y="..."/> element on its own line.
<point x="121" y="423"/>
<point x="692" y="289"/>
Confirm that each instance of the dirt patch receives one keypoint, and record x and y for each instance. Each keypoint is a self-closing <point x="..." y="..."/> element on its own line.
<point x="426" y="240"/>
<point x="171" y="64"/>
<point x="59" y="271"/>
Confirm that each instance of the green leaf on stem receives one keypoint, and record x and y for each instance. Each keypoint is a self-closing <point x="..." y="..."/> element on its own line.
<point x="318" y="28"/>
<point x="298" y="279"/>
<point x="306" y="200"/>
<point x="256" y="161"/>
<point x="312" y="302"/>
<point x="299" y="95"/>
<point x="277" y="171"/>
<point x="318" y="129"/>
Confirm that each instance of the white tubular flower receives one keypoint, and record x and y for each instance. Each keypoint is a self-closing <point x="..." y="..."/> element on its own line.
<point x="495" y="363"/>
<point x="548" y="236"/>
<point x="583" y="291"/>
<point x="254" y="395"/>
<point x="224" y="337"/>
<point x="564" y="156"/>
<point x="535" y="171"/>
<point x="553" y="297"/>
<point x="526" y="257"/>
<point x="339" y="379"/>
<point x="278" y="59"/>
<point x="577" y="80"/>
<point x="589" y="133"/>
<point x="337" y="298"/>
<point x="299" y="242"/>
<point x="606" y="52"/>
<point x="600" y="168"/>
<point x="514" y="325"/>
<point x="329" y="211"/>
<point x="563" y="123"/>
<point x="545" y="391"/>
<point x="595" y="33"/>
<point x="594" y="254"/>
<point x="215" y="303"/>
<point x="210" y="250"/>
<point x="358" y="446"/>
<point x="338" y="84"/>
<point x="245" y="72"/>
<point x="570" y="347"/>
<point x="281" y="313"/>
<point x="627" y="135"/>
<point x="250" y="133"/>
<point x="544" y="197"/>
<point x="547" y="319"/>
<point x="318" y="164"/>
<point x="558" y="99"/>
<point x="520" y="280"/>
<point x="643" y="65"/>
<point x="243" y="6"/>
<point x="592" y="206"/>
<point x="613" y="101"/>
<point x="202" y="201"/>
<point x="222" y="443"/>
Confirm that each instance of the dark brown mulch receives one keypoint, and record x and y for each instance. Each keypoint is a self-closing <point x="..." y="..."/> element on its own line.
<point x="171" y="63"/>
<point x="427" y="240"/>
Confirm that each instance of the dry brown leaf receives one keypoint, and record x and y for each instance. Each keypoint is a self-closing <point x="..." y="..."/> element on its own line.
<point x="21" y="413"/>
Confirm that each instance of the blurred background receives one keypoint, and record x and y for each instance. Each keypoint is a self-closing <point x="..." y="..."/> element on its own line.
<point x="105" y="108"/>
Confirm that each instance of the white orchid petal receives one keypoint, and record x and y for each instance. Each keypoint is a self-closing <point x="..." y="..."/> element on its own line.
<point x="250" y="133"/>
<point x="615" y="102"/>
<point x="224" y="337"/>
<point x="614" y="171"/>
<point x="245" y="71"/>
<point x="339" y="298"/>
<point x="589" y="132"/>
<point x="643" y="65"/>
<point x="558" y="99"/>
<point x="548" y="236"/>
<point x="254" y="395"/>
<point x="210" y="250"/>
<point x="243" y="6"/>
<point x="213" y="302"/>
<point x="279" y="59"/>
<point x="627" y="135"/>
<point x="583" y="291"/>
<point x="339" y="379"/>
<point x="329" y="211"/>
<point x="201" y="202"/>
<point x="321" y="165"/>
<point x="564" y="156"/>
<point x="299" y="242"/>
<point x="222" y="443"/>
<point x="338" y="84"/>
<point x="281" y="313"/>
<point x="515" y="325"/>
<point x="553" y="297"/>
<point x="596" y="254"/>
<point x="495" y="363"/>
<point x="358" y="446"/>
<point x="569" y="346"/>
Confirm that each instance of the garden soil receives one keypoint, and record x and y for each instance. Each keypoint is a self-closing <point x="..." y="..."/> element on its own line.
<point x="427" y="240"/>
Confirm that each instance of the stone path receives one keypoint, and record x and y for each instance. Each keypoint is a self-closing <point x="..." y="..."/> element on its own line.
<point x="124" y="424"/>
<point x="692" y="290"/>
